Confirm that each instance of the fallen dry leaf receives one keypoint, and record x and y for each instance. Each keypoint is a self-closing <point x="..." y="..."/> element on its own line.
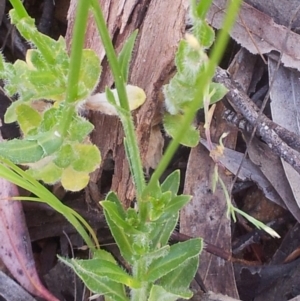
<point x="15" y="249"/>
<point x="256" y="32"/>
<point x="282" y="11"/>
<point x="232" y="160"/>
<point x="11" y="291"/>
<point x="285" y="96"/>
<point x="270" y="165"/>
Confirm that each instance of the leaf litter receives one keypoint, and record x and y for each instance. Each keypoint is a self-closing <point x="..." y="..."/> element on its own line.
<point x="206" y="215"/>
<point x="255" y="31"/>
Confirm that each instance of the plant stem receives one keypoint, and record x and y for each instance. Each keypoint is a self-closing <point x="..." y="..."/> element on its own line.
<point x="31" y="35"/>
<point x="216" y="55"/>
<point x="110" y="53"/>
<point x="66" y="119"/>
<point x="75" y="63"/>
<point x="203" y="7"/>
<point x="20" y="9"/>
<point x="76" y="50"/>
<point x="137" y="170"/>
<point x="139" y="270"/>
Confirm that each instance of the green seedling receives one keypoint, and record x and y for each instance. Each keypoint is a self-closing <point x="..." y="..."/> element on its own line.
<point x="55" y="144"/>
<point x="58" y="132"/>
<point x="158" y="271"/>
<point x="191" y="62"/>
<point x="181" y="93"/>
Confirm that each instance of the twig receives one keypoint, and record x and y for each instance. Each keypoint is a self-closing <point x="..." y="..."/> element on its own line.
<point x="260" y="112"/>
<point x="275" y="136"/>
<point x="290" y="138"/>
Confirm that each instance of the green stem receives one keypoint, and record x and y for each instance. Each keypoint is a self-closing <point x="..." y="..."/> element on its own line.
<point x="203" y="7"/>
<point x="139" y="271"/>
<point x="227" y="198"/>
<point x="137" y="170"/>
<point x="66" y="120"/>
<point x="111" y="54"/>
<point x="32" y="35"/>
<point x="76" y="50"/>
<point x="216" y="55"/>
<point x="20" y="9"/>
<point x="75" y="63"/>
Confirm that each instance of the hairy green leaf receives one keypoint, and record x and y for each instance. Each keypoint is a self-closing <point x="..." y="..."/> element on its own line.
<point x="50" y="173"/>
<point x="148" y="258"/>
<point x="182" y="276"/>
<point x="153" y="193"/>
<point x="50" y="142"/>
<point x="21" y="151"/>
<point x="178" y="254"/>
<point x="123" y="240"/>
<point x="104" y="255"/>
<point x="89" y="74"/>
<point x="219" y="91"/>
<point x="31" y="149"/>
<point x="51" y="118"/>
<point x="171" y="183"/>
<point x="28" y="118"/>
<point x="10" y="114"/>
<point x="162" y="230"/>
<point x="157" y="292"/>
<point x="198" y="10"/>
<point x="88" y="157"/>
<point x="112" y="210"/>
<point x="74" y="180"/>
<point x="203" y="33"/>
<point x="112" y="197"/>
<point x="98" y="284"/>
<point x="158" y="206"/>
<point x="79" y="129"/>
<point x="176" y="204"/>
<point x="172" y="125"/>
<point x="125" y="55"/>
<point x="106" y="269"/>
<point x="65" y="156"/>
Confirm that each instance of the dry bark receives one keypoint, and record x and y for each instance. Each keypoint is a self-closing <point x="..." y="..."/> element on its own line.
<point x="161" y="25"/>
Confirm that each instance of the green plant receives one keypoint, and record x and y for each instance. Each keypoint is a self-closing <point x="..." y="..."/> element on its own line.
<point x="55" y="144"/>
<point x="57" y="139"/>
<point x="183" y="98"/>
<point x="158" y="271"/>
